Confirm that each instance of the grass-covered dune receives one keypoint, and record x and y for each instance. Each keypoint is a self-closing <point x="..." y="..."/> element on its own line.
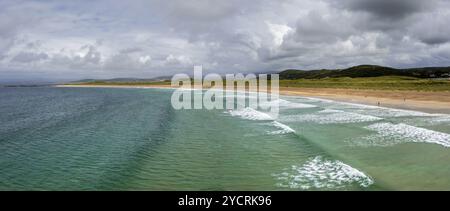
<point x="368" y="77"/>
<point x="367" y="71"/>
<point x="373" y="83"/>
<point x="368" y="83"/>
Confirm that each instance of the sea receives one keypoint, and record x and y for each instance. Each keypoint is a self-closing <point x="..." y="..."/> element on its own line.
<point x="62" y="138"/>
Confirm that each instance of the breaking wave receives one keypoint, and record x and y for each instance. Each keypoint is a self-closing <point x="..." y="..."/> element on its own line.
<point x="390" y="134"/>
<point x="250" y="114"/>
<point x="330" y="116"/>
<point x="320" y="173"/>
<point x="284" y="129"/>
<point x="287" y="104"/>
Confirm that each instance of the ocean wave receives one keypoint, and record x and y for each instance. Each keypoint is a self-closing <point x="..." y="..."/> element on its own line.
<point x="250" y="114"/>
<point x="330" y="116"/>
<point x="374" y="110"/>
<point x="390" y="134"/>
<point x="284" y="129"/>
<point x="381" y="111"/>
<point x="315" y="100"/>
<point x="439" y="120"/>
<point x="389" y="112"/>
<point x="330" y="111"/>
<point x="286" y="104"/>
<point x="320" y="173"/>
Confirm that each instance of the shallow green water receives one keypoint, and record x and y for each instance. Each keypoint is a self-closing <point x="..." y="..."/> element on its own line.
<point x="128" y="139"/>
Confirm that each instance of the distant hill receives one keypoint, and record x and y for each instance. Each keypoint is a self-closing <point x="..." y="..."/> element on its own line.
<point x="367" y="71"/>
<point x="124" y="80"/>
<point x="360" y="71"/>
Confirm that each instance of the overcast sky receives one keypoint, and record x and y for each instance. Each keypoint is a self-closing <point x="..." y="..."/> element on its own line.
<point x="103" y="39"/>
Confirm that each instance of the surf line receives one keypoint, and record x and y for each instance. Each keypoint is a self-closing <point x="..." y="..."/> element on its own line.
<point x="254" y="91"/>
<point x="197" y="201"/>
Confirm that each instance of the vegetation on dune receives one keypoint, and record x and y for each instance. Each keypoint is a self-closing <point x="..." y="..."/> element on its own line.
<point x="358" y="77"/>
<point x="367" y="71"/>
<point x="374" y="83"/>
<point x="370" y="77"/>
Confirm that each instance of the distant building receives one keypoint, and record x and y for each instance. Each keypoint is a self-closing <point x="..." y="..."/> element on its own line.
<point x="445" y="76"/>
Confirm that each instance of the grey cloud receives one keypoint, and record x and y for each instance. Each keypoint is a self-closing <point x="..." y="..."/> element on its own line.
<point x="435" y="39"/>
<point x="145" y="38"/>
<point x="91" y="59"/>
<point x="388" y="9"/>
<point x="432" y="29"/>
<point x="35" y="45"/>
<point x="92" y="56"/>
<point x="131" y="50"/>
<point x="127" y="61"/>
<point x="121" y="62"/>
<point x="27" y="57"/>
<point x="202" y="10"/>
<point x="316" y="28"/>
<point x="390" y="16"/>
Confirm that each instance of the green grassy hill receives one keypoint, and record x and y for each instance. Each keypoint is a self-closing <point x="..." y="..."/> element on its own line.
<point x="367" y="71"/>
<point x="358" y="77"/>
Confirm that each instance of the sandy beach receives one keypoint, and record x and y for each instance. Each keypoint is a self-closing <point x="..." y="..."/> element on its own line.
<point x="430" y="102"/>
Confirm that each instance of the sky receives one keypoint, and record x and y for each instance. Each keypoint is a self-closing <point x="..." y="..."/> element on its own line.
<point x="70" y="40"/>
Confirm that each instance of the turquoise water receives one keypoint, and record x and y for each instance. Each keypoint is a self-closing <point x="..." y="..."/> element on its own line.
<point x="132" y="139"/>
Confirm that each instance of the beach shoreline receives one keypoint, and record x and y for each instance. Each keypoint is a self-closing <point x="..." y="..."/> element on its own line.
<point x="429" y="102"/>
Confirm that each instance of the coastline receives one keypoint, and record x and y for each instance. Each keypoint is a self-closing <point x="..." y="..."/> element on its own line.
<point x="429" y="102"/>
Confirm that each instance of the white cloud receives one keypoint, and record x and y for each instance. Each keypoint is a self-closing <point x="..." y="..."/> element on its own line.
<point x="178" y="60"/>
<point x="278" y="32"/>
<point x="145" y="59"/>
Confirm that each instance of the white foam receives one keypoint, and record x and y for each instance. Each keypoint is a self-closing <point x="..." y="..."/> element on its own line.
<point x="390" y="112"/>
<point x="376" y="110"/>
<point x="389" y="134"/>
<point x="439" y="120"/>
<point x="285" y="104"/>
<point x="319" y="173"/>
<point x="284" y="129"/>
<point x="314" y="99"/>
<point x="330" y="116"/>
<point x="250" y="114"/>
<point x="329" y="111"/>
<point x="355" y="105"/>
